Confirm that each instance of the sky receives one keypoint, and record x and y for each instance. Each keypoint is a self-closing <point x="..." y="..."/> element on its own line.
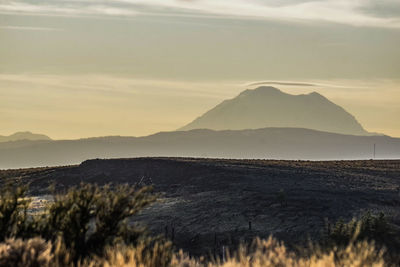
<point x="81" y="68"/>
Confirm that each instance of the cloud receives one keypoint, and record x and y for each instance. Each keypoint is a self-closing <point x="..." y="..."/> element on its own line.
<point x="382" y="8"/>
<point x="121" y="86"/>
<point x="281" y="83"/>
<point x="345" y="85"/>
<point x="369" y="13"/>
<point x="336" y="11"/>
<point x="28" y="28"/>
<point x="65" y="8"/>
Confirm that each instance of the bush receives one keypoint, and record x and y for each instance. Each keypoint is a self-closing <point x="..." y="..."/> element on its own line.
<point x="86" y="219"/>
<point x="368" y="228"/>
<point x="13" y="211"/>
<point x="89" y="218"/>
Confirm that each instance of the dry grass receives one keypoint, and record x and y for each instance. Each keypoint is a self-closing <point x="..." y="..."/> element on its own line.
<point x="32" y="252"/>
<point x="263" y="253"/>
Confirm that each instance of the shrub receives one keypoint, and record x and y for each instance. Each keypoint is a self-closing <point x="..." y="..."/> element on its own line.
<point x="85" y="220"/>
<point x="13" y="211"/>
<point x="88" y="218"/>
<point x="368" y="228"/>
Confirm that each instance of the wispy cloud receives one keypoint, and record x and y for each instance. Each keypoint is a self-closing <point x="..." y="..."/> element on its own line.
<point x="280" y="83"/>
<point x="117" y="86"/>
<point x="27" y="28"/>
<point x="337" y="11"/>
<point x="370" y="13"/>
<point x="342" y="85"/>
<point x="66" y="8"/>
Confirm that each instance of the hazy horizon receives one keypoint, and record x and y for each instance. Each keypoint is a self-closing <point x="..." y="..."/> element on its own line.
<point x="76" y="68"/>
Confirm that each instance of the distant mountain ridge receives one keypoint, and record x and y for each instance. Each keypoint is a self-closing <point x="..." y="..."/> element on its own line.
<point x="267" y="106"/>
<point x="267" y="143"/>
<point x="307" y="127"/>
<point x="19" y="136"/>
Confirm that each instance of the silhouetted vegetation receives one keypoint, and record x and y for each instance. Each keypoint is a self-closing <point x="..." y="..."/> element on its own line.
<point x="369" y="228"/>
<point x="89" y="218"/>
<point x="87" y="226"/>
<point x="13" y="212"/>
<point x="86" y="219"/>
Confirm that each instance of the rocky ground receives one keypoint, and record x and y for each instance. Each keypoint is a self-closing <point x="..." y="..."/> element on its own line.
<point x="208" y="203"/>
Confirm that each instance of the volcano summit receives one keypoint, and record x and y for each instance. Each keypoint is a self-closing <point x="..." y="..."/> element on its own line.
<point x="267" y="106"/>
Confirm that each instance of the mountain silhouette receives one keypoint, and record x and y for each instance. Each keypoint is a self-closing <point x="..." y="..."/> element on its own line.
<point x="24" y="136"/>
<point x="267" y="143"/>
<point x="267" y="106"/>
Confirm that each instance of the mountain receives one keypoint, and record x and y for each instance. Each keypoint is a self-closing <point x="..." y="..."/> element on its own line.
<point x="267" y="143"/>
<point x="269" y="107"/>
<point x="24" y="136"/>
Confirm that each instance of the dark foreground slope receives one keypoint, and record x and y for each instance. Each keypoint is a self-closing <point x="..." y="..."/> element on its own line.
<point x="209" y="203"/>
<point x="267" y="143"/>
